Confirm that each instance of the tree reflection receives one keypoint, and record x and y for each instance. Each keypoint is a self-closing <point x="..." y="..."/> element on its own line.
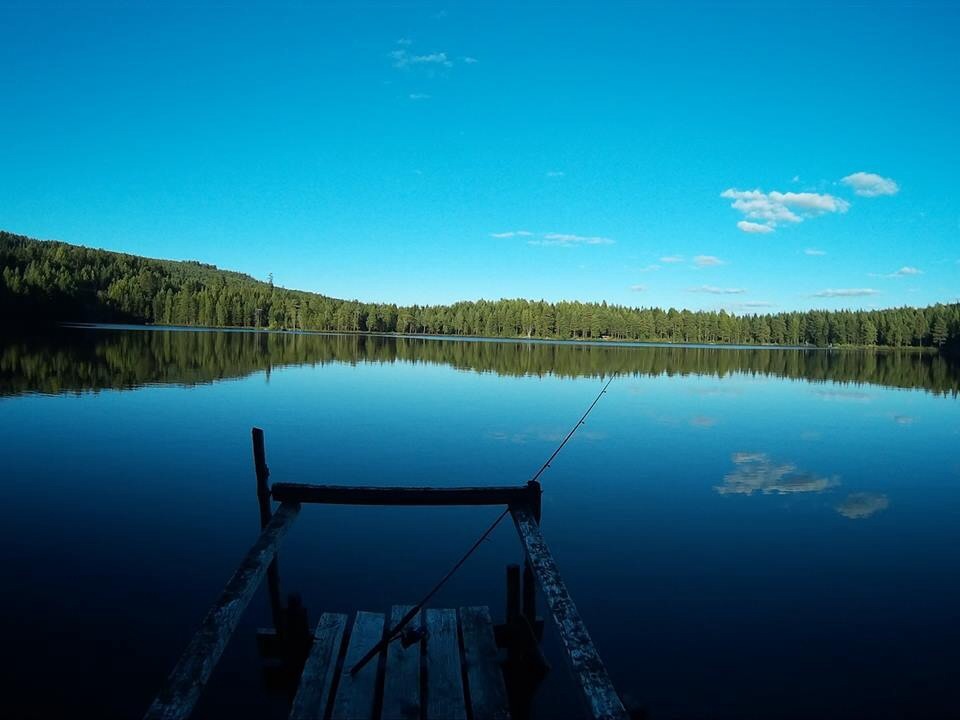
<point x="77" y="360"/>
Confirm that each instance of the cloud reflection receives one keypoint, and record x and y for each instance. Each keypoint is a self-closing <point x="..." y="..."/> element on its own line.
<point x="848" y="395"/>
<point x="540" y="435"/>
<point x="756" y="472"/>
<point x="703" y="421"/>
<point x="862" y="505"/>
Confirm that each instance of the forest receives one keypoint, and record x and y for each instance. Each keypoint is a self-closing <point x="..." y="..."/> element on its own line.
<point x="45" y="282"/>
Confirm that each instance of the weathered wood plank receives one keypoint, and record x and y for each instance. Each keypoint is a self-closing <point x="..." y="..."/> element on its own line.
<point x="488" y="693"/>
<point x="313" y="695"/>
<point x="401" y="681"/>
<point x="356" y="694"/>
<point x="263" y="475"/>
<point x="185" y="682"/>
<point x="588" y="669"/>
<point x="349" y="495"/>
<point x="445" y="699"/>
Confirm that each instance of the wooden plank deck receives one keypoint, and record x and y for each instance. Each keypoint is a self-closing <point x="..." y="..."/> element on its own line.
<point x="488" y="693"/>
<point x="401" y="682"/>
<point x="313" y="695"/>
<point x="457" y="683"/>
<point x="445" y="699"/>
<point x="357" y="694"/>
<point x="453" y="674"/>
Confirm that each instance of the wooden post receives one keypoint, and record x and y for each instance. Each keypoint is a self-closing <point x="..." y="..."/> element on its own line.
<point x="263" y="474"/>
<point x="263" y="498"/>
<point x="529" y="582"/>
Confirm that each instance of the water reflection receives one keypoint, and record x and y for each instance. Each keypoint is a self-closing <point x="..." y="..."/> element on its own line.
<point x="756" y="472"/>
<point x="703" y="421"/>
<point x="94" y="359"/>
<point x="862" y="505"/>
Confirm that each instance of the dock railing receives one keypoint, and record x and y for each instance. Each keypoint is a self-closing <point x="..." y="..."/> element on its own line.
<point x="185" y="683"/>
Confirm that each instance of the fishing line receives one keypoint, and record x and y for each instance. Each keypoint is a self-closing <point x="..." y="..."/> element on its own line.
<point x="394" y="632"/>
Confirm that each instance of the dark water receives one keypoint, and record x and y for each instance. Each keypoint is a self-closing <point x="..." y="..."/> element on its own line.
<point x="747" y="532"/>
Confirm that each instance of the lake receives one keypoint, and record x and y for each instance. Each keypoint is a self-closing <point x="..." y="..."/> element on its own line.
<point x="747" y="532"/>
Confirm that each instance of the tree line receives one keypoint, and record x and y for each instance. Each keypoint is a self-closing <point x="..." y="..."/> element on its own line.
<point x="80" y="360"/>
<point x="44" y="281"/>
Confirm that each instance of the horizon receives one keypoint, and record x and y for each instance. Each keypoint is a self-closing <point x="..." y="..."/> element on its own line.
<point x="427" y="154"/>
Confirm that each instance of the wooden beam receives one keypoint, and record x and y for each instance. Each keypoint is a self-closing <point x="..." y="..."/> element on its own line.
<point x="348" y="495"/>
<point x="186" y="681"/>
<point x="588" y="669"/>
<point x="529" y="582"/>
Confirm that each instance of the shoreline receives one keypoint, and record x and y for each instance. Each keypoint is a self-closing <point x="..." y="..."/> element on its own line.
<point x="589" y="342"/>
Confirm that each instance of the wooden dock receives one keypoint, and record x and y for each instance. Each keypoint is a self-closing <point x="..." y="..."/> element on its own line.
<point x="447" y="666"/>
<point x="434" y="678"/>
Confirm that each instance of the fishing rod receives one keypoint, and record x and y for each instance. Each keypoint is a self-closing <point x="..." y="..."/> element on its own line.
<point x="394" y="632"/>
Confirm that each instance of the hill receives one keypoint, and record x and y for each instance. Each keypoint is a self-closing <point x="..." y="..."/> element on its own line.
<point x="44" y="282"/>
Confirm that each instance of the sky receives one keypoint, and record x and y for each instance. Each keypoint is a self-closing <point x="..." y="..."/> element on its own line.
<point x="755" y="157"/>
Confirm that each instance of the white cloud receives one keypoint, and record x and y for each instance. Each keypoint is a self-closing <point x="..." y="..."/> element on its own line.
<point x="771" y="209"/>
<point x="814" y="252"/>
<point x="752" y="227"/>
<point x="870" y="184"/>
<point x="905" y="271"/>
<point x="569" y="239"/>
<point x="419" y="96"/>
<point x="755" y="305"/>
<point x="638" y="288"/>
<point x="816" y="203"/>
<point x="707" y="261"/>
<point x="672" y="259"/>
<point x="648" y="268"/>
<point x="556" y="173"/>
<point x="511" y="233"/>
<point x="402" y="59"/>
<point x="563" y="239"/>
<point x="470" y="60"/>
<point x="846" y="292"/>
<point x="717" y="290"/>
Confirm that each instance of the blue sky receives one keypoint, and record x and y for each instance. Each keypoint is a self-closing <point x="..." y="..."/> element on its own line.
<point x="686" y="155"/>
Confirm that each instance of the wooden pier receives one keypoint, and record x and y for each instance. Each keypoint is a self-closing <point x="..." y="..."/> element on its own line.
<point x="446" y="667"/>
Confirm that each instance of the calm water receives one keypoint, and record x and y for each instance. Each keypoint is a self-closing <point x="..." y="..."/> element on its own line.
<point x="747" y="533"/>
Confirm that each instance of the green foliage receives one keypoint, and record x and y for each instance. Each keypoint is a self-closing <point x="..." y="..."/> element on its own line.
<point x="55" y="281"/>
